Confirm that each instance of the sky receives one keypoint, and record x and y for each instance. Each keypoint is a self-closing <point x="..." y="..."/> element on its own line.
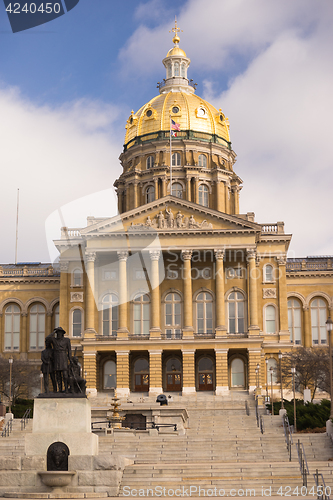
<point x="67" y="88"/>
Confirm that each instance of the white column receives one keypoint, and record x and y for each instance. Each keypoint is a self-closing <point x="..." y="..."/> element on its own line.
<point x="155" y="329"/>
<point x="90" y="291"/>
<point x="122" y="331"/>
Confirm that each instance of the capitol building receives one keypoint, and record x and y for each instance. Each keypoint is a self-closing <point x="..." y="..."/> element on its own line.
<point x="180" y="292"/>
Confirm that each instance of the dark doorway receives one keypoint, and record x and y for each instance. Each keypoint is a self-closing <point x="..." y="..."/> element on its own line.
<point x="134" y="421"/>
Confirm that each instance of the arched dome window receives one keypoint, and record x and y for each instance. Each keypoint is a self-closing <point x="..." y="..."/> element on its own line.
<point x="183" y="70"/>
<point x="12" y="327"/>
<point x="204" y="312"/>
<point x="176" y="69"/>
<point x="203" y="161"/>
<point x="203" y="195"/>
<point x="176" y="160"/>
<point x="110" y="314"/>
<point x="236" y="312"/>
<point x="150" y="162"/>
<point x="169" y="72"/>
<point x="295" y="321"/>
<point x="150" y="194"/>
<point x="177" y="190"/>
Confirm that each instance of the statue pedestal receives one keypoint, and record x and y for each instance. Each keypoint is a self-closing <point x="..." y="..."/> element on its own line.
<point x="62" y="419"/>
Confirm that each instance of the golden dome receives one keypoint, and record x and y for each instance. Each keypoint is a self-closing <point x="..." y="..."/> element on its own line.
<point x="190" y="111"/>
<point x="176" y="51"/>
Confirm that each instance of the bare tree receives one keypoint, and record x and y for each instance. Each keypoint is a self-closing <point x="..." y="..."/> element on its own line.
<point x="312" y="368"/>
<point x="25" y="378"/>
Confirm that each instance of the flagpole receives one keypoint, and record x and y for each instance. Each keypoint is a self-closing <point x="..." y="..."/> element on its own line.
<point x="170" y="160"/>
<point x="17" y="215"/>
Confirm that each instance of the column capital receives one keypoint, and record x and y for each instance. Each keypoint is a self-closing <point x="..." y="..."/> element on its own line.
<point x="186" y="254"/>
<point x="221" y="351"/>
<point x="281" y="259"/>
<point x="122" y="353"/>
<point x="122" y="255"/>
<point x="157" y="352"/>
<point x="90" y="256"/>
<point x="219" y="254"/>
<point x="154" y="254"/>
<point x="188" y="351"/>
<point x="251" y="253"/>
<point x="64" y="266"/>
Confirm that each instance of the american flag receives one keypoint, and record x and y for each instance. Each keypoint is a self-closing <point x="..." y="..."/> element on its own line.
<point x="174" y="127"/>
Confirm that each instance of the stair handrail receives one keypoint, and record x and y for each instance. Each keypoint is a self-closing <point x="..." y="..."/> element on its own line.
<point x="323" y="494"/>
<point x="25" y="418"/>
<point x="303" y="464"/>
<point x="7" y="429"/>
<point x="256" y="408"/>
<point x="287" y="433"/>
<point x="262" y="427"/>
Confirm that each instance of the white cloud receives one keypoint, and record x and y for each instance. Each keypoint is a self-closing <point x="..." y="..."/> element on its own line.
<point x="53" y="156"/>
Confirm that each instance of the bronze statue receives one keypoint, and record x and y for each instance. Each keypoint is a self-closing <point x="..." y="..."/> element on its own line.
<point x="61" y="357"/>
<point x="76" y="382"/>
<point x="47" y="367"/>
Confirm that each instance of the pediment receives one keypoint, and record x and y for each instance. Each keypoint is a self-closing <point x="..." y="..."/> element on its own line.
<point x="170" y="214"/>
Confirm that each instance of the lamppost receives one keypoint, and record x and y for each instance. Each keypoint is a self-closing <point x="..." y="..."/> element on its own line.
<point x="329" y="327"/>
<point x="271" y="371"/>
<point x="293" y="371"/>
<point x="10" y="383"/>
<point x="266" y="361"/>
<point x="280" y="359"/>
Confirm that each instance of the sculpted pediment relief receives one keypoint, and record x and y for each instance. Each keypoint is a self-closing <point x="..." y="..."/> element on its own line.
<point x="169" y="219"/>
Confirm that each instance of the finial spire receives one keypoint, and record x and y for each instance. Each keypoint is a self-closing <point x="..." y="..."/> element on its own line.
<point x="176" y="30"/>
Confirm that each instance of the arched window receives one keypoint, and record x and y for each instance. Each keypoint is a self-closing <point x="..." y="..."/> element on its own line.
<point x="150" y="194"/>
<point x="270" y="319"/>
<point x="177" y="190"/>
<point x="203" y="161"/>
<point x="77" y="277"/>
<point x="169" y="70"/>
<point x="236" y="312"/>
<point x="37" y="326"/>
<point x="76" y="322"/>
<point x="269" y="273"/>
<point x="271" y="374"/>
<point x="110" y="314"/>
<point x="141" y="310"/>
<point x="318" y="321"/>
<point x="150" y="162"/>
<point x="237" y="373"/>
<point x="12" y="328"/>
<point x="176" y="159"/>
<point x="176" y="69"/>
<point x="183" y="70"/>
<point x="173" y="315"/>
<point x="141" y="375"/>
<point x="203" y="195"/>
<point x="204" y="309"/>
<point x="294" y="321"/>
<point x="110" y="375"/>
<point x="56" y="316"/>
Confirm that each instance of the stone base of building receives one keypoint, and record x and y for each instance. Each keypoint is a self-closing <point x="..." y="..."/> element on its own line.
<point x="122" y="392"/>
<point x="188" y="390"/>
<point x="222" y="390"/>
<point x="155" y="391"/>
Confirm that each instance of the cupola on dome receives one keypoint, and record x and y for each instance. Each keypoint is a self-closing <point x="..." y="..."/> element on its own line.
<point x="177" y="101"/>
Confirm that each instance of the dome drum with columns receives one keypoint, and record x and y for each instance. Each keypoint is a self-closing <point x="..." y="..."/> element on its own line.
<point x="202" y="158"/>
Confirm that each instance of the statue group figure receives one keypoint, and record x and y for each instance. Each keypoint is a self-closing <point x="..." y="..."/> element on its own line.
<point x="60" y="366"/>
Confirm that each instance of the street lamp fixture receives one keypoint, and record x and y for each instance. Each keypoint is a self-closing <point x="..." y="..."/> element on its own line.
<point x="266" y="361"/>
<point x="271" y="372"/>
<point x="293" y="371"/>
<point x="280" y="359"/>
<point x="329" y="327"/>
<point x="10" y="383"/>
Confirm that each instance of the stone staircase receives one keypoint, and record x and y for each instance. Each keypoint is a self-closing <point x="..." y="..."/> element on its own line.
<point x="222" y="448"/>
<point x="13" y="445"/>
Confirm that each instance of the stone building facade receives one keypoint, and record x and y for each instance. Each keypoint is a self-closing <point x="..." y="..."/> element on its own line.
<point x="179" y="292"/>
